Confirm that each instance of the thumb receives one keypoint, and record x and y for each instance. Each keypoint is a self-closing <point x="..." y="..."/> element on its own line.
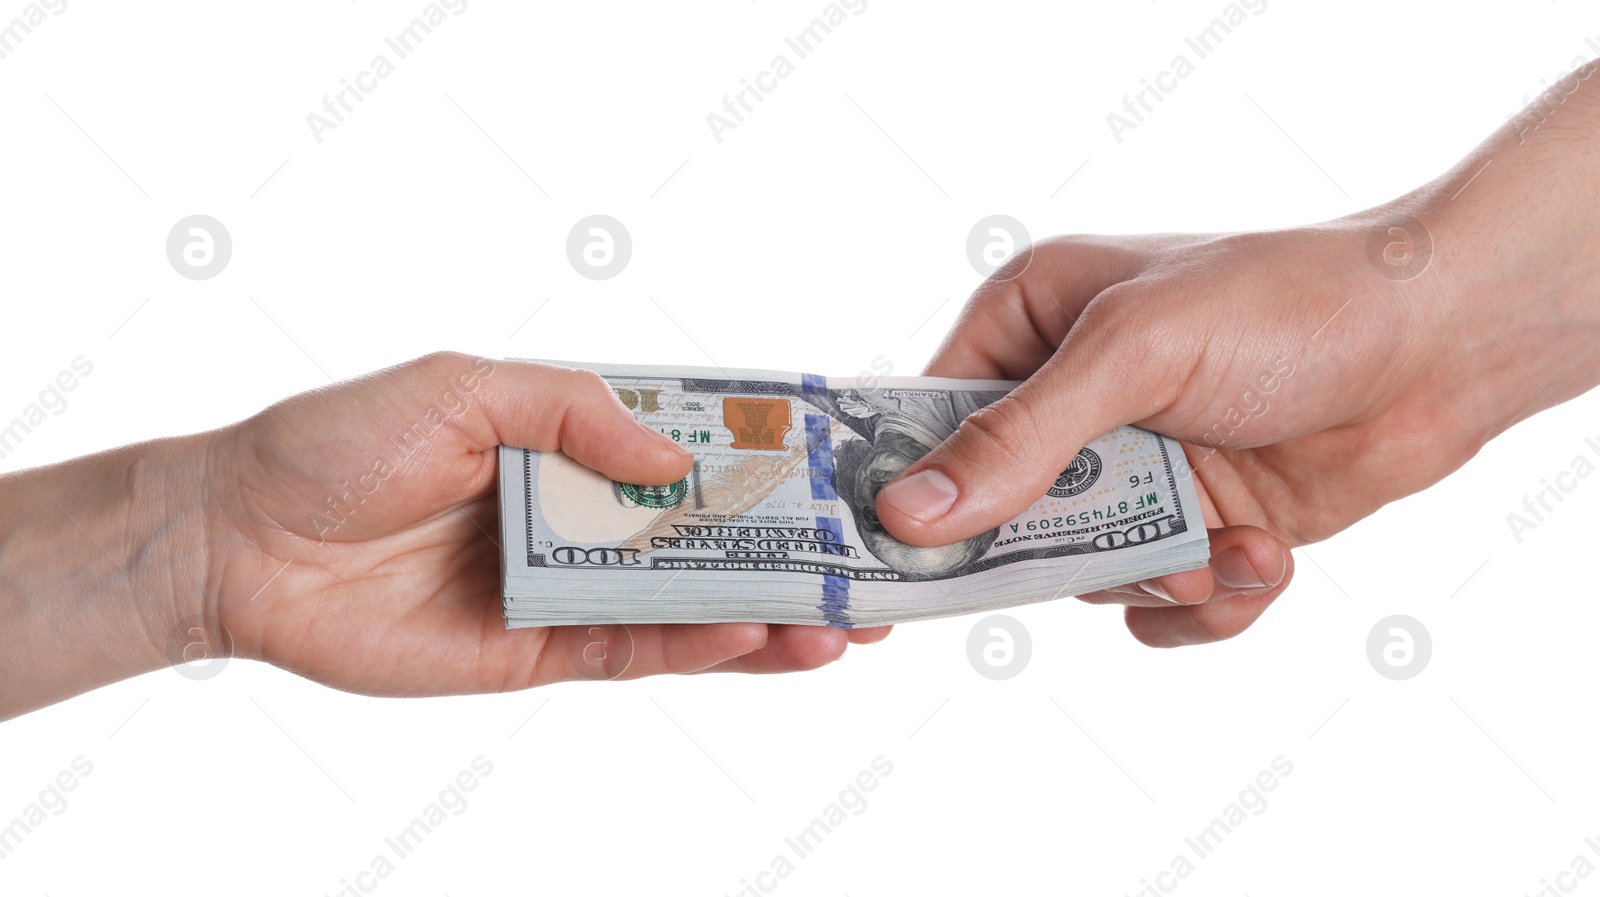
<point x="1004" y="456"/>
<point x="549" y="408"/>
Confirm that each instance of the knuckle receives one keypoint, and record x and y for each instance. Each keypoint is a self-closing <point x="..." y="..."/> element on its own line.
<point x="996" y="301"/>
<point x="1014" y="267"/>
<point x="437" y="367"/>
<point x="573" y="381"/>
<point x="442" y="359"/>
<point x="1019" y="283"/>
<point x="1003" y="435"/>
<point x="1117" y="308"/>
<point x="1129" y="329"/>
<point x="591" y="382"/>
<point x="995" y="294"/>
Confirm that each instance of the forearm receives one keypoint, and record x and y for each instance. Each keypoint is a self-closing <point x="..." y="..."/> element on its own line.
<point x="100" y="559"/>
<point x="1517" y="251"/>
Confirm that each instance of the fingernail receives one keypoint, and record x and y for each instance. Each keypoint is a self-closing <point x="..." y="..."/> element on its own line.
<point x="1233" y="570"/>
<point x="925" y="495"/>
<point x="1150" y="587"/>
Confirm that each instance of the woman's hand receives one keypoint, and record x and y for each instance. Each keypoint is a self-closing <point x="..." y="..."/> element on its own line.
<point x="354" y="535"/>
<point x="348" y="535"/>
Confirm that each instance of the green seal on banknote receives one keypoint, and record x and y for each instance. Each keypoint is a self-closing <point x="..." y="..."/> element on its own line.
<point x="656" y="497"/>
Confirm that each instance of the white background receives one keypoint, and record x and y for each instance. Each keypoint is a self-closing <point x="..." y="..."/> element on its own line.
<point x="819" y="235"/>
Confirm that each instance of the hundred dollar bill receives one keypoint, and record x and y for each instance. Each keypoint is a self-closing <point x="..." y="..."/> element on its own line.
<point x="776" y="521"/>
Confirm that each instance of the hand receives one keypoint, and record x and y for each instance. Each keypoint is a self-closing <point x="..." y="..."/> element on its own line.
<point x="1310" y="387"/>
<point x="354" y="534"/>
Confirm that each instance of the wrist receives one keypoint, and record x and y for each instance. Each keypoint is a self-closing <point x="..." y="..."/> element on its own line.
<point x="1521" y="290"/>
<point x="100" y="560"/>
<point x="171" y="484"/>
<point x="1509" y="292"/>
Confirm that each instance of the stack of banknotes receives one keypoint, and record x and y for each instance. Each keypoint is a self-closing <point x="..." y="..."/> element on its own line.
<point x="776" y="521"/>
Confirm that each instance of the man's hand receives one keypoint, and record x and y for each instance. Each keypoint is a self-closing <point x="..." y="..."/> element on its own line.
<point x="1313" y="373"/>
